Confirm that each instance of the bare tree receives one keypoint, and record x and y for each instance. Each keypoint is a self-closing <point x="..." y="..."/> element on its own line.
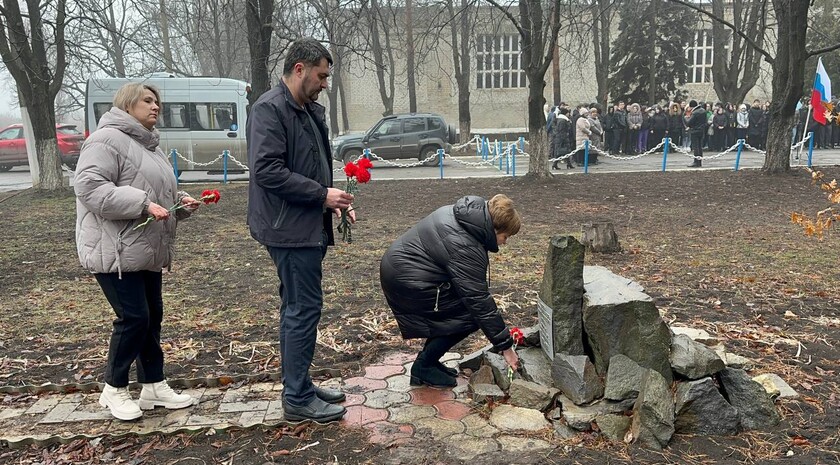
<point x="735" y="72"/>
<point x="788" y="72"/>
<point x="258" y="18"/>
<point x="603" y="13"/>
<point x="383" y="56"/>
<point x="538" y="39"/>
<point x="34" y="53"/>
<point x="460" y="33"/>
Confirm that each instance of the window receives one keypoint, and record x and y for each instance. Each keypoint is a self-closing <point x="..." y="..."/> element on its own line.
<point x="498" y="62"/>
<point x="388" y="127"/>
<point x="414" y="125"/>
<point x="10" y="134"/>
<point x="100" y="109"/>
<point x="198" y="116"/>
<point x="68" y="131"/>
<point x="700" y="58"/>
<point x="434" y="123"/>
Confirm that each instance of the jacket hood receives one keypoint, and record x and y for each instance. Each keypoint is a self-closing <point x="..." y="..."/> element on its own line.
<point x="562" y="116"/>
<point x="473" y="215"/>
<point x="119" y="119"/>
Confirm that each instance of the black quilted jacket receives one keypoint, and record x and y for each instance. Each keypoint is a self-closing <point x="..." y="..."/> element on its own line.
<point x="435" y="275"/>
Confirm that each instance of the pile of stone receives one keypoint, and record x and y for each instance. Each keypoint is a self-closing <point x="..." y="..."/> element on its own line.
<point x="602" y="358"/>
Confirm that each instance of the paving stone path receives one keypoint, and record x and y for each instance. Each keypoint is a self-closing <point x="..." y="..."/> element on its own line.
<point x="381" y="401"/>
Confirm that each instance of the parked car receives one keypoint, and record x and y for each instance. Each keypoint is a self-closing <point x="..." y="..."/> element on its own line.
<point x="13" y="145"/>
<point x="411" y="135"/>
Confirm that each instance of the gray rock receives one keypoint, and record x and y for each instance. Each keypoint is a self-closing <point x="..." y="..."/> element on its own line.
<point x="561" y="297"/>
<point x="776" y="386"/>
<point x="619" y="318"/>
<point x="500" y="369"/>
<point x="581" y="417"/>
<point x="613" y="427"/>
<point x="531" y="395"/>
<point x="482" y="393"/>
<point x="754" y="405"/>
<point x="692" y="359"/>
<point x="653" y="414"/>
<point x="624" y="378"/>
<point x="534" y="365"/>
<point x="532" y="336"/>
<point x="473" y="360"/>
<point x="563" y="431"/>
<point x="736" y="361"/>
<point x="510" y="418"/>
<point x="483" y="375"/>
<point x="576" y="377"/>
<point x="699" y="335"/>
<point x="701" y="409"/>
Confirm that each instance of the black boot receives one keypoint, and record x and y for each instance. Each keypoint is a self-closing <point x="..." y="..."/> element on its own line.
<point x="425" y="372"/>
<point x="449" y="371"/>
<point x="554" y="166"/>
<point x="569" y="164"/>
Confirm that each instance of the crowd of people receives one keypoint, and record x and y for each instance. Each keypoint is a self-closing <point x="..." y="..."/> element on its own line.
<point x="634" y="129"/>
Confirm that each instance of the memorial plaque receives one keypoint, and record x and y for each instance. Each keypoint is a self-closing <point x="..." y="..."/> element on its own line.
<point x="546" y="324"/>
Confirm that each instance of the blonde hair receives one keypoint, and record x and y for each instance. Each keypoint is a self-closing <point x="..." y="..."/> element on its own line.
<point x="129" y="94"/>
<point x="505" y="218"/>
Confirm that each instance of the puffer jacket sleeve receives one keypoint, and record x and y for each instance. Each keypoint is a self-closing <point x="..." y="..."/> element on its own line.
<point x="97" y="172"/>
<point x="467" y="268"/>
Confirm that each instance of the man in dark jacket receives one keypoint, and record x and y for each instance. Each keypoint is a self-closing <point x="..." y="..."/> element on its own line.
<point x="619" y="124"/>
<point x="697" y="124"/>
<point x="435" y="280"/>
<point x="290" y="202"/>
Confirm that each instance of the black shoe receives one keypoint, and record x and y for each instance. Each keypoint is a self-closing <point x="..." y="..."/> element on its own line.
<point x="430" y="375"/>
<point x="317" y="410"/>
<point x="331" y="396"/>
<point x="570" y="166"/>
<point x="554" y="166"/>
<point x="695" y="165"/>
<point x="446" y="369"/>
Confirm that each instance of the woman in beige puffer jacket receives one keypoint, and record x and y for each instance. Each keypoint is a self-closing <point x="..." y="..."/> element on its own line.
<point x="122" y="178"/>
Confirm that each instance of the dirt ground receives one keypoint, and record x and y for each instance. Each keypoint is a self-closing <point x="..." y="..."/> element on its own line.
<point x="715" y="249"/>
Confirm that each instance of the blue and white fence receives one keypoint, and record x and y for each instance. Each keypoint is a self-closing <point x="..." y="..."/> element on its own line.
<point x="502" y="156"/>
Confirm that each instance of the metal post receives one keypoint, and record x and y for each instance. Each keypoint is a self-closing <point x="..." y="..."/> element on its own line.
<point x="507" y="157"/>
<point x="586" y="156"/>
<point x="738" y="155"/>
<point x="665" y="152"/>
<point x="499" y="153"/>
<point x="810" y="148"/>
<point x="224" y="165"/>
<point x="440" y="161"/>
<point x="513" y="161"/>
<point x="366" y="153"/>
<point x="485" y="149"/>
<point x="522" y="144"/>
<point x="174" y="155"/>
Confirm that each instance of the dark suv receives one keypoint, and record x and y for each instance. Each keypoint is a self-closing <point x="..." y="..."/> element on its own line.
<point x="411" y="135"/>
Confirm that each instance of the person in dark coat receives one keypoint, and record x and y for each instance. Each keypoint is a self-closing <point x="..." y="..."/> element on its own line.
<point x="756" y="119"/>
<point x="697" y="124"/>
<point x="658" y="126"/>
<point x="561" y="142"/>
<point x="434" y="278"/>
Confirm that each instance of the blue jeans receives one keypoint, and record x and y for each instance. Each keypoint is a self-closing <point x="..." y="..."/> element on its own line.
<point x="299" y="270"/>
<point x="138" y="304"/>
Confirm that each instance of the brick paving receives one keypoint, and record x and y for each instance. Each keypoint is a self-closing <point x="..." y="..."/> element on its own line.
<point x="382" y="402"/>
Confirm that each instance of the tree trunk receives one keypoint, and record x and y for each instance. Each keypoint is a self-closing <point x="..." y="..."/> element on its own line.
<point x="736" y="63"/>
<point x="168" y="63"/>
<point x="461" y="62"/>
<point x="788" y="81"/>
<point x="555" y="75"/>
<point x="335" y="88"/>
<point x="652" y="58"/>
<point x="48" y="160"/>
<point x="537" y="139"/>
<point x="374" y="16"/>
<point x="601" y="43"/>
<point x="600" y="237"/>
<point x="411" y="68"/>
<point x="258" y="18"/>
<point x="115" y="48"/>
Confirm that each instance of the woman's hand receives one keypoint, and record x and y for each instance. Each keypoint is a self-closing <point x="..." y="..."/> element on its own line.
<point x="511" y="358"/>
<point x="158" y="212"/>
<point x="190" y="203"/>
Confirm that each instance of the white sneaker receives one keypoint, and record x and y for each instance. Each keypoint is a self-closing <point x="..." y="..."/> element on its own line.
<point x="161" y="395"/>
<point x="118" y="400"/>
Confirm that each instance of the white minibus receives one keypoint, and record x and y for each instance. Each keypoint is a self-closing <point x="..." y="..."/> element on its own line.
<point x="200" y="117"/>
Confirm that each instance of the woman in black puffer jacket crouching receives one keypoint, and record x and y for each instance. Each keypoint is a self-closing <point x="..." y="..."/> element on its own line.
<point x="435" y="280"/>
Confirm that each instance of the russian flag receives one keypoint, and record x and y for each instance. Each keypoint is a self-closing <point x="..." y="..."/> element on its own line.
<point x="821" y="93"/>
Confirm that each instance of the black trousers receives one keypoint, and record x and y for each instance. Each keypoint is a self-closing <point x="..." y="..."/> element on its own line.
<point x="697" y="145"/>
<point x="138" y="304"/>
<point x="299" y="270"/>
<point x="435" y="347"/>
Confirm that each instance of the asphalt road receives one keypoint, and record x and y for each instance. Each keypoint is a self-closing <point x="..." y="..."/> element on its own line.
<point x="471" y="166"/>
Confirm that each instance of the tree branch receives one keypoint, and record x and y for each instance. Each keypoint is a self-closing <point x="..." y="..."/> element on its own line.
<point x="509" y="16"/>
<point x="822" y="50"/>
<point x="734" y="28"/>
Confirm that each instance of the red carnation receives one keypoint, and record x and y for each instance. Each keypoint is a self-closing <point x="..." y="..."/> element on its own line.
<point x="364" y="163"/>
<point x="210" y="196"/>
<point x="350" y="170"/>
<point x="517" y="335"/>
<point x="362" y="176"/>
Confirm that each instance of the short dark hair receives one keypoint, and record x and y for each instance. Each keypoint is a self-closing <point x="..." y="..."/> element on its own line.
<point x="308" y="51"/>
<point x="692" y="103"/>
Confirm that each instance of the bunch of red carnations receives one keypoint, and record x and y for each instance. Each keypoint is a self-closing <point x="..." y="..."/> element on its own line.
<point x="357" y="173"/>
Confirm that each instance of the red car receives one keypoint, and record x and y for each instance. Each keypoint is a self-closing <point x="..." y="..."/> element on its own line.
<point x="13" y="145"/>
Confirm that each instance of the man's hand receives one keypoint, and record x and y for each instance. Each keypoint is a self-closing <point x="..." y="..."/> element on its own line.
<point x="337" y="198"/>
<point x="157" y="211"/>
<point x="190" y="203"/>
<point x="351" y="214"/>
